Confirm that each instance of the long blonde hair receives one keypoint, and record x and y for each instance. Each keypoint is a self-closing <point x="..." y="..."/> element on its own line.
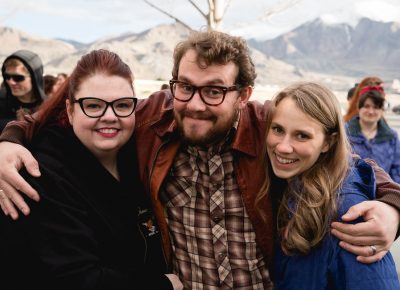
<point x="308" y="203"/>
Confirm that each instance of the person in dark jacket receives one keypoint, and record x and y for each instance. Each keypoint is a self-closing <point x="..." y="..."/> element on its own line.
<point x="94" y="228"/>
<point x="23" y="86"/>
<point x="308" y="153"/>
<point x="370" y="135"/>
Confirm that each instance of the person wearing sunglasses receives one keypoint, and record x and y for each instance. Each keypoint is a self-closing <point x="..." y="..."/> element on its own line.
<point x="93" y="228"/>
<point x="23" y="90"/>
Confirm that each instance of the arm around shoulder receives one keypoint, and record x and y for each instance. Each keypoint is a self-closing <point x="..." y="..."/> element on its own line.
<point x="387" y="190"/>
<point x="13" y="157"/>
<point x="15" y="131"/>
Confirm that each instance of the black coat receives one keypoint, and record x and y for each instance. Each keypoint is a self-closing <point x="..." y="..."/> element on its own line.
<point x="89" y="231"/>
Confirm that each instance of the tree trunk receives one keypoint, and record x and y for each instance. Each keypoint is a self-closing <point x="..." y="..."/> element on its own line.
<point x="215" y="14"/>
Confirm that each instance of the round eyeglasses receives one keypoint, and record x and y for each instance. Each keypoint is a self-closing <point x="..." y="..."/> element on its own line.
<point x="210" y="95"/>
<point x="96" y="108"/>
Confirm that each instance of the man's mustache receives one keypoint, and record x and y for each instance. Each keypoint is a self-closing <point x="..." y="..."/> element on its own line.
<point x="199" y="116"/>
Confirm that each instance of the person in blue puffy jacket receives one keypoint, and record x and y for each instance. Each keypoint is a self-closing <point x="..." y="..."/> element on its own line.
<point x="370" y="135"/>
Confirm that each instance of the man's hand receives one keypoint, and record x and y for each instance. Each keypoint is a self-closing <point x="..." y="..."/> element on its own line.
<point x="379" y="230"/>
<point x="20" y="113"/>
<point x="12" y="158"/>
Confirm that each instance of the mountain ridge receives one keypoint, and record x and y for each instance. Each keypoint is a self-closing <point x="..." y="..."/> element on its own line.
<point x="297" y="55"/>
<point x="369" y="48"/>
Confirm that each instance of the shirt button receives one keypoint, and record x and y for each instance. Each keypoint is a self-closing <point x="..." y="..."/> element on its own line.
<point x="216" y="218"/>
<point x="221" y="256"/>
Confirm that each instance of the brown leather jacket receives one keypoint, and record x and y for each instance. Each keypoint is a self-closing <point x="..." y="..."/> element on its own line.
<point x="158" y="142"/>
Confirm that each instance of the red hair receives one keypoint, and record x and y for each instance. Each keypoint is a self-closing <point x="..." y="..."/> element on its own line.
<point x="102" y="61"/>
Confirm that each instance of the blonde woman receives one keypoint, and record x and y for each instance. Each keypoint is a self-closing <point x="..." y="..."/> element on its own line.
<point x="307" y="151"/>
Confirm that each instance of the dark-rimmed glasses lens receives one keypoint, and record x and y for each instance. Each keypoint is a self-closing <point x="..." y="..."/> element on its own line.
<point x="14" y="77"/>
<point x="96" y="108"/>
<point x="210" y="95"/>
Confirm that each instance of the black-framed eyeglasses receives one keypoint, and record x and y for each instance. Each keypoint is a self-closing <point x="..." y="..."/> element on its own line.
<point x="15" y="77"/>
<point x="96" y="108"/>
<point x="210" y="95"/>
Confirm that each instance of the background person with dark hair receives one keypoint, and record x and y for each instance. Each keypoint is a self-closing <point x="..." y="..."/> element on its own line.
<point x="60" y="79"/>
<point x="49" y="82"/>
<point x="350" y="92"/>
<point x="352" y="109"/>
<point x="370" y="135"/>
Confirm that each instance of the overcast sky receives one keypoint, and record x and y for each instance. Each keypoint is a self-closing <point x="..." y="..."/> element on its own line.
<point x="88" y="20"/>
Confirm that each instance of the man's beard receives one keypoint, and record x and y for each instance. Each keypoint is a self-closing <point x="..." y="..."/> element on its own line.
<point x="215" y="135"/>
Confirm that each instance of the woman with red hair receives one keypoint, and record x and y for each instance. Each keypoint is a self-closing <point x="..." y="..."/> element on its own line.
<point x="94" y="227"/>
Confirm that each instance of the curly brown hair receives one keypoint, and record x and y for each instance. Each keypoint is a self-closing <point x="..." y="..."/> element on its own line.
<point x="213" y="47"/>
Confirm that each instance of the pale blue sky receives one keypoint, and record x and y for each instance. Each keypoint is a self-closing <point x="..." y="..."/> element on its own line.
<point x="88" y="20"/>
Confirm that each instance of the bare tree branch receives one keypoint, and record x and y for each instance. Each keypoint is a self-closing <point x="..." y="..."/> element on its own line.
<point x="198" y="8"/>
<point x="168" y="14"/>
<point x="218" y="8"/>
<point x="9" y="14"/>
<point x="227" y="6"/>
<point x="279" y="8"/>
<point x="218" y="12"/>
<point x="210" y="15"/>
